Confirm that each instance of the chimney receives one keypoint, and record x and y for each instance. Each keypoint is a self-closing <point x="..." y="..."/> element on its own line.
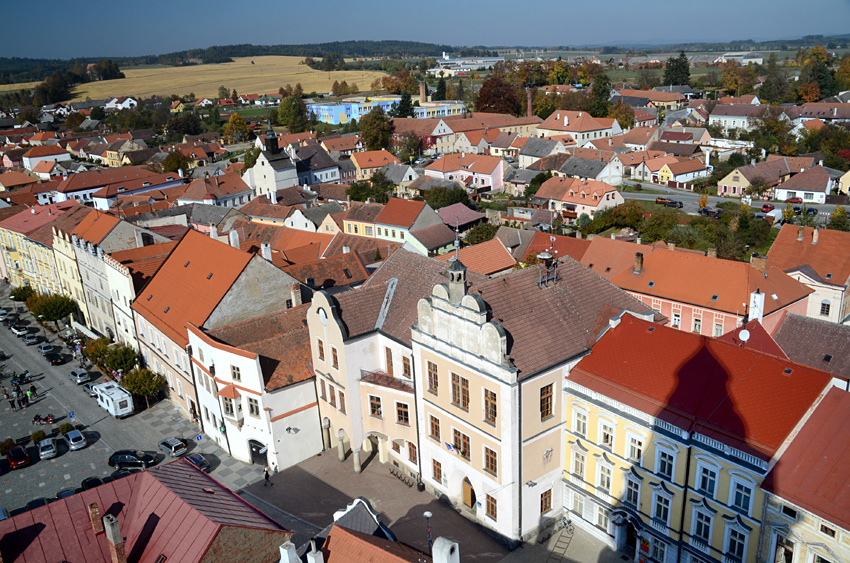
<point x="445" y="551"/>
<point x="346" y="249"/>
<point x="213" y="232"/>
<point x="295" y="292"/>
<point x="671" y="245"/>
<point x="94" y="516"/>
<point x="234" y="239"/>
<point x="756" y="311"/>
<point x="638" y="262"/>
<point x="758" y="262"/>
<point x="566" y="121"/>
<point x="315" y="555"/>
<point x="266" y="251"/>
<point x="423" y="93"/>
<point x="311" y="283"/>
<point x="613" y="236"/>
<point x="116" y="541"/>
<point x="815" y="235"/>
<point x="638" y="241"/>
<point x="800" y="231"/>
<point x="529" y="103"/>
<point x="820" y="163"/>
<point x="711" y="253"/>
<point x="288" y="554"/>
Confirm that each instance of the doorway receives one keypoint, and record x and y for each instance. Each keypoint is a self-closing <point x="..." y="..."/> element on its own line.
<point x="259" y="453"/>
<point x="784" y="550"/>
<point x="631" y="538"/>
<point x="468" y="494"/>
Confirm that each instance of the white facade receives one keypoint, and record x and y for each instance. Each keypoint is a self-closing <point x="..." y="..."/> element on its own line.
<point x="120" y="284"/>
<point x="782" y="194"/>
<point x="297" y="220"/>
<point x="30" y="162"/>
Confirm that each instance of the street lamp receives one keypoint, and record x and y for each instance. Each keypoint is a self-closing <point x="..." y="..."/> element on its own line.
<point x="427" y="516"/>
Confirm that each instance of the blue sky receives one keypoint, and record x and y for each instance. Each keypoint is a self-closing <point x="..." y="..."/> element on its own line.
<point x="101" y="28"/>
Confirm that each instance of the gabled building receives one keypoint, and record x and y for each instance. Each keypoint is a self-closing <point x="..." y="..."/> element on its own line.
<point x="812" y="185"/>
<point x="227" y="190"/>
<point x="572" y="197"/>
<point x="367" y="163"/>
<point x="669" y="437"/>
<point x="400" y="219"/>
<point x="580" y="125"/>
<point x="314" y="165"/>
<point x="478" y="173"/>
<point x="275" y="168"/>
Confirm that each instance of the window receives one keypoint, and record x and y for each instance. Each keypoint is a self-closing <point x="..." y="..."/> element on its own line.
<point x="396" y="447"/>
<point x="433" y="382"/>
<point x="253" y="407"/>
<point x="607" y="434"/>
<point x="707" y="481"/>
<point x="677" y="320"/>
<point x="789" y="512"/>
<point x="702" y="527"/>
<point x="605" y="478"/>
<point x="341" y="402"/>
<point x="491" y="507"/>
<point x="661" y="511"/>
<point x="461" y="443"/>
<point x="578" y="464"/>
<point x="632" y="492"/>
<point x="405" y="367"/>
<point x="824" y="529"/>
<point x="603" y="518"/>
<point x="460" y="391"/>
<point x="665" y="464"/>
<point x="546" y="501"/>
<point x="324" y="394"/>
<point x="819" y="559"/>
<point x="698" y="326"/>
<point x="389" y="361"/>
<point x="332" y="394"/>
<point x="375" y="406"/>
<point x="741" y="496"/>
<point x="824" y="308"/>
<point x="235" y="373"/>
<point x="435" y="427"/>
<point x="402" y="413"/>
<point x="411" y="452"/>
<point x="580" y="423"/>
<point x="334" y="358"/>
<point x="578" y="503"/>
<point x="437" y="471"/>
<point x="490" y="461"/>
<point x="659" y="550"/>
<point x="736" y="544"/>
<point x="321" y="350"/>
<point x="490" y="406"/>
<point x="546" y="401"/>
<point x="635" y="449"/>
<point x="718" y="329"/>
<point x="227" y="405"/>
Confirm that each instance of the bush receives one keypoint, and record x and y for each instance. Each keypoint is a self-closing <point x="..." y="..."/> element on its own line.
<point x="121" y="358"/>
<point x="22" y="293"/>
<point x="65" y="427"/>
<point x="38" y="436"/>
<point x="6" y="445"/>
<point x="96" y="350"/>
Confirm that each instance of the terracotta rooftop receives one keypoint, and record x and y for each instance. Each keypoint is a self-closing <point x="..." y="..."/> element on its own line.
<point x="143" y="262"/>
<point x="45" y="150"/>
<point x="812" y="473"/>
<point x="486" y="258"/>
<point x="343" y="546"/>
<point x="206" y="266"/>
<point x="400" y="212"/>
<point x="573" y="122"/>
<point x="758" y="339"/>
<point x="829" y="258"/>
<point x="477" y="163"/>
<point x="373" y="159"/>
<point x="100" y="178"/>
<point x="686" y="166"/>
<point x="557" y="245"/>
<point x="96" y="226"/>
<point x="66" y="222"/>
<point x="816" y="343"/>
<point x="261" y="208"/>
<point x="740" y="397"/>
<point x="335" y="271"/>
<point x="369" y="248"/>
<point x="216" y="187"/>
<point x="27" y="221"/>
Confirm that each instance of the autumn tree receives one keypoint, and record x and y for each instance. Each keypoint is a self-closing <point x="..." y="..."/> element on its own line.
<point x="600" y="97"/>
<point x="376" y="130"/>
<point x="236" y="130"/>
<point x="74" y="120"/>
<point x="143" y="382"/>
<point x="336" y="89"/>
<point x="838" y="220"/>
<point x="174" y="161"/>
<point x="809" y="92"/>
<point x="703" y="201"/>
<point x="497" y="96"/>
<point x="481" y="233"/>
<point x="842" y="75"/>
<point x="678" y="71"/>
<point x="623" y="113"/>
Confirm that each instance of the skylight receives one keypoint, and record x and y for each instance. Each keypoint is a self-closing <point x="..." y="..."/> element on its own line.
<point x="788" y="371"/>
<point x="209" y="276"/>
<point x="829" y="276"/>
<point x="651" y="284"/>
<point x="167" y="309"/>
<point x="186" y="265"/>
<point x="149" y="296"/>
<point x="827" y="358"/>
<point x="775" y="297"/>
<point x="714" y="297"/>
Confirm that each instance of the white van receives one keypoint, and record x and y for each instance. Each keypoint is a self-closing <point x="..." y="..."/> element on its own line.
<point x="115" y="399"/>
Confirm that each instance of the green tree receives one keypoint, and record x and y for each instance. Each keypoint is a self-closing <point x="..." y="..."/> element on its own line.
<point x="175" y="161"/>
<point x="143" y="382"/>
<point x="376" y="130"/>
<point x="441" y="196"/>
<point x="659" y="225"/>
<point x="236" y="130"/>
<point x="51" y="307"/>
<point x="121" y="358"/>
<point x="97" y="350"/>
<point x="74" y="120"/>
<point x="251" y="157"/>
<point x="98" y="113"/>
<point x="788" y="213"/>
<point x="481" y="233"/>
<point x="22" y="293"/>
<point x="497" y="96"/>
<point x="535" y="184"/>
<point x="408" y="146"/>
<point x="223" y="92"/>
<point x="440" y="94"/>
<point x="838" y="220"/>
<point x="623" y="113"/>
<point x="757" y="187"/>
<point x="678" y="71"/>
<point x="404" y="108"/>
<point x="600" y="101"/>
<point x="583" y="220"/>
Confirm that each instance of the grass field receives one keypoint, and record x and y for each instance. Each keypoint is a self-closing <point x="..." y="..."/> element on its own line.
<point x="4" y="88"/>
<point x="265" y="75"/>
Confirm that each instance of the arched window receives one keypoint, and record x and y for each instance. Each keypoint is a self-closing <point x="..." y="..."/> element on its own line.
<point x="824" y="308"/>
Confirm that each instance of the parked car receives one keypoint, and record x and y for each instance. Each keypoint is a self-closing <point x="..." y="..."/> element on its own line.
<point x="79" y="376"/>
<point x="174" y="447"/>
<point x="798" y="210"/>
<point x="30" y="339"/>
<point x="673" y="203"/>
<point x="91" y="483"/>
<point x="661" y="200"/>
<point x="123" y="459"/>
<point x="794" y="200"/>
<point x="47" y="449"/>
<point x="20" y="330"/>
<point x="3" y="314"/>
<point x="812" y="211"/>
<point x="54" y="359"/>
<point x="75" y="440"/>
<point x="65" y="493"/>
<point x="17" y="457"/>
<point x="768" y="207"/>
<point x="45" y="348"/>
<point x="199" y="461"/>
<point x="89" y="388"/>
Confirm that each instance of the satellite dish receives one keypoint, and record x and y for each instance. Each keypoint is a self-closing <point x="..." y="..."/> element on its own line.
<point x="744" y="335"/>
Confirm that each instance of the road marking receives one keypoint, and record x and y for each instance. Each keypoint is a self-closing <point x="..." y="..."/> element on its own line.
<point x="67" y="476"/>
<point x="41" y="484"/>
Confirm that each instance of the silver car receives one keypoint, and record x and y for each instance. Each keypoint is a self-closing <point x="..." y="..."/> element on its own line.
<point x="79" y="376"/>
<point x="47" y="449"/>
<point x="75" y="440"/>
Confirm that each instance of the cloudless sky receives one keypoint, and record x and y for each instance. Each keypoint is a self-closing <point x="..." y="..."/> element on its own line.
<point x="58" y="29"/>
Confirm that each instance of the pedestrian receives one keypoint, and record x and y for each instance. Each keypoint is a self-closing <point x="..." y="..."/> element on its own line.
<point x="34" y="391"/>
<point x="5" y="393"/>
<point x="29" y="396"/>
<point x="20" y="403"/>
<point x="266" y="476"/>
<point x="12" y="404"/>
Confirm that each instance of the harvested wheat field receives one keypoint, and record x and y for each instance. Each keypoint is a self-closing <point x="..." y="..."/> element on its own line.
<point x="266" y="75"/>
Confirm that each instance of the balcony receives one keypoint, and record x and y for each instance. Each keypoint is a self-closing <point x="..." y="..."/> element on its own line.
<point x="659" y="526"/>
<point x="700" y="545"/>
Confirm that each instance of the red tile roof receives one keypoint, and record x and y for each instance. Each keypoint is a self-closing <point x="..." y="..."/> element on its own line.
<point x="100" y="178"/>
<point x="757" y="339"/>
<point x="143" y="262"/>
<point x="485" y="258"/>
<point x="348" y="546"/>
<point x="12" y="179"/>
<point x="477" y="163"/>
<point x="573" y="122"/>
<point x="558" y="246"/>
<point x="740" y="397"/>
<point x="373" y="159"/>
<point x="828" y="258"/>
<point x="96" y="226"/>
<point x="46" y="150"/>
<point x="33" y="218"/>
<point x="812" y="472"/>
<point x="190" y="284"/>
<point x="335" y="271"/>
<point x="400" y="212"/>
